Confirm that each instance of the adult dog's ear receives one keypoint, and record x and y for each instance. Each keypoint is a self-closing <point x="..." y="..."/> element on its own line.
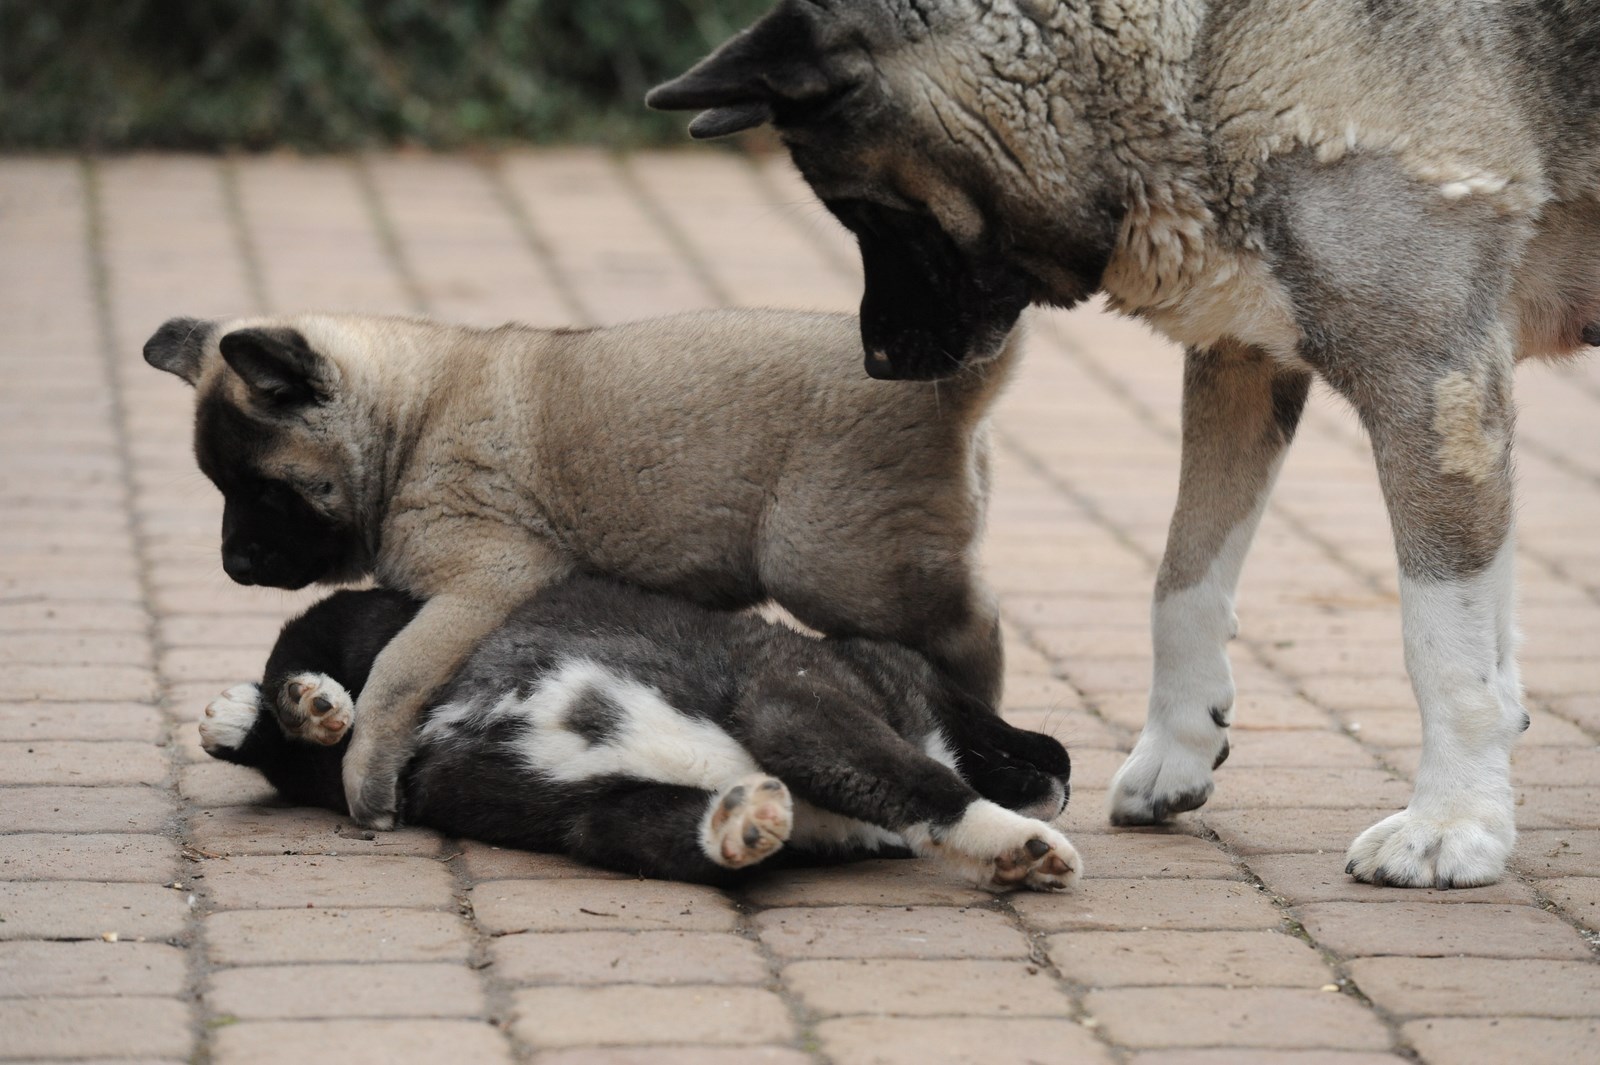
<point x="179" y="346"/>
<point x="754" y="77"/>
<point x="278" y="365"/>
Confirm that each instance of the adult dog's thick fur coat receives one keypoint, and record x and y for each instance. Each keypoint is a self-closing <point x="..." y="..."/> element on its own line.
<point x="1399" y="196"/>
<point x="724" y="457"/>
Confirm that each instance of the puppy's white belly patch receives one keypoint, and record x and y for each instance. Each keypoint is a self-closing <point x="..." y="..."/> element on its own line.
<point x="586" y="721"/>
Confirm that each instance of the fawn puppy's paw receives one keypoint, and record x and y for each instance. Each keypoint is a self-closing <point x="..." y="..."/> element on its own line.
<point x="229" y="718"/>
<point x="747" y="822"/>
<point x="315" y="707"/>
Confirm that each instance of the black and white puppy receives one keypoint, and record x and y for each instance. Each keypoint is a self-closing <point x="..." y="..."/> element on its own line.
<point x="645" y="734"/>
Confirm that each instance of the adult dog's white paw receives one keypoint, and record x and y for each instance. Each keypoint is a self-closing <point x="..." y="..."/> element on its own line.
<point x="229" y="718"/>
<point x="1001" y="850"/>
<point x="315" y="707"/>
<point x="747" y="822"/>
<point x="1408" y="849"/>
<point x="1165" y="776"/>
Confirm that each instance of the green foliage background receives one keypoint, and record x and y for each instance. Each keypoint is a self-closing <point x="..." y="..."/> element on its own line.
<point x="325" y="74"/>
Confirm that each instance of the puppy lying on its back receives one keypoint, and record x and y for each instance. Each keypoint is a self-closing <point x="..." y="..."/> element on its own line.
<point x="724" y="457"/>
<point x="649" y="735"/>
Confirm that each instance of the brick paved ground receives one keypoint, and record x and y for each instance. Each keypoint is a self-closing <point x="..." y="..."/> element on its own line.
<point x="244" y="933"/>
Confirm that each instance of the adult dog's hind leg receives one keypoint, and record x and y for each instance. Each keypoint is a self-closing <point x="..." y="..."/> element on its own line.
<point x="1443" y="449"/>
<point x="1240" y="410"/>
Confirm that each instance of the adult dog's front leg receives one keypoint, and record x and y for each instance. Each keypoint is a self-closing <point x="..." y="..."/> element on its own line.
<point x="1444" y="459"/>
<point x="425" y="654"/>
<point x="1240" y="410"/>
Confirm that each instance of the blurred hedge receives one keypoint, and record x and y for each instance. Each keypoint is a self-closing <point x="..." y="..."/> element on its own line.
<point x="344" y="73"/>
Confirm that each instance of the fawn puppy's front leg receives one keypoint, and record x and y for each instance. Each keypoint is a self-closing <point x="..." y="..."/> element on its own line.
<point x="425" y="655"/>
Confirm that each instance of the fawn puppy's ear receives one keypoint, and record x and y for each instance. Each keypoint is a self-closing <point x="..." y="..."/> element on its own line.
<point x="278" y="365"/>
<point x="179" y="346"/>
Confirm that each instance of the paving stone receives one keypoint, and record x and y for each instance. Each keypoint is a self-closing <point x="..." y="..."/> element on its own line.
<point x="905" y="882"/>
<point x="1275" y="1018"/>
<point x="90" y="968"/>
<point x="1496" y="1041"/>
<point x="575" y="1016"/>
<point x="286" y="881"/>
<point x="1578" y="897"/>
<point x="1149" y="903"/>
<point x="1426" y="929"/>
<point x="360" y="1042"/>
<point x="114" y="857"/>
<point x="915" y="988"/>
<point x="84" y="809"/>
<point x="88" y="1027"/>
<point x="1301" y="878"/>
<point x="88" y="683"/>
<point x="958" y="1041"/>
<point x="81" y="762"/>
<point x="1167" y="852"/>
<point x="1558" y="852"/>
<point x="599" y="905"/>
<point x="1250" y="832"/>
<point x="480" y="861"/>
<point x="1297" y="748"/>
<point x="1229" y="959"/>
<point x="1482" y="987"/>
<point x="1232" y="1056"/>
<point x="32" y="722"/>
<point x="310" y="992"/>
<point x="675" y="1055"/>
<point x="628" y="958"/>
<point x="65" y="909"/>
<point x="263" y="937"/>
<point x="224" y="784"/>
<point x="1546" y="808"/>
<point x="232" y="830"/>
<point x="1313" y="787"/>
<point x="890" y="932"/>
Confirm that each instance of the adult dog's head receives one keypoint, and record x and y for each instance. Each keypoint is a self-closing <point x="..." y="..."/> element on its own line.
<point x="272" y="433"/>
<point x="956" y="144"/>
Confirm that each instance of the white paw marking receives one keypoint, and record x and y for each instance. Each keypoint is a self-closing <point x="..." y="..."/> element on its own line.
<point x="748" y="821"/>
<point x="1408" y="849"/>
<point x="1000" y="850"/>
<point x="1165" y="776"/>
<point x="316" y="707"/>
<point x="1461" y="653"/>
<point x="229" y="718"/>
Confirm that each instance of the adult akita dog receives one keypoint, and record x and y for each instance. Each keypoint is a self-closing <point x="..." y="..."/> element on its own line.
<point x="1402" y="197"/>
<point x="725" y="457"/>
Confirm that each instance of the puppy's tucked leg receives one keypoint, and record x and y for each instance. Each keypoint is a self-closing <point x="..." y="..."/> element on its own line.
<point x="414" y="664"/>
<point x="1240" y="410"/>
<point x="747" y="821"/>
<point x="229" y="719"/>
<point x="315" y="707"/>
<point x="1000" y="850"/>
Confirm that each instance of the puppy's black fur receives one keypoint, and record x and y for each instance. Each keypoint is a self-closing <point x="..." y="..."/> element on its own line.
<point x="846" y="724"/>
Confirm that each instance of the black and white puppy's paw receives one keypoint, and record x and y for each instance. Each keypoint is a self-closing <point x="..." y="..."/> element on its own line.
<point x="747" y="822"/>
<point x="1001" y="850"/>
<point x="315" y="707"/>
<point x="229" y="718"/>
